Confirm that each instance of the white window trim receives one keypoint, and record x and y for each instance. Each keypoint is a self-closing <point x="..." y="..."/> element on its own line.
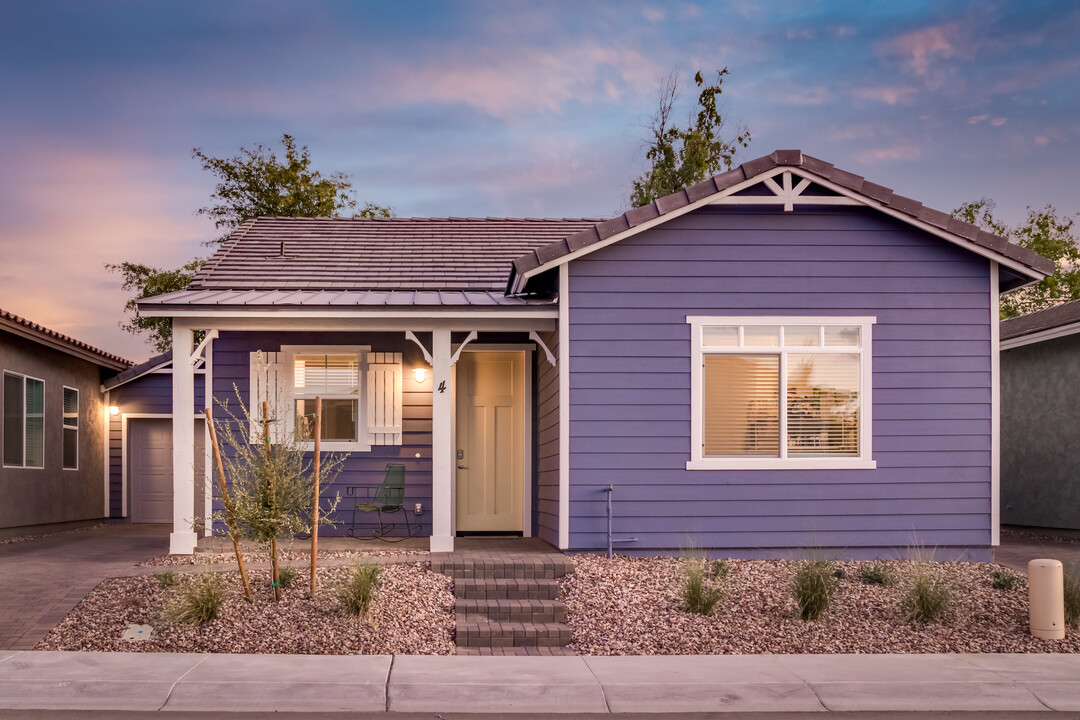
<point x="44" y="454"/>
<point x="697" y="461"/>
<point x="73" y="428"/>
<point x="363" y="440"/>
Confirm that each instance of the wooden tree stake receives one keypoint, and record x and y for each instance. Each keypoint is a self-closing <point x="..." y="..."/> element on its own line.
<point x="315" y="511"/>
<point x="272" y="491"/>
<point x="233" y="533"/>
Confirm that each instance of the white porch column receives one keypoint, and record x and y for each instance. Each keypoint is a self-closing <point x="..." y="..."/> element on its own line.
<point x="183" y="538"/>
<point x="442" y="452"/>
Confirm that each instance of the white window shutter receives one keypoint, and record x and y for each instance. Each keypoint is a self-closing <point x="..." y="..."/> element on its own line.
<point x="384" y="398"/>
<point x="267" y="384"/>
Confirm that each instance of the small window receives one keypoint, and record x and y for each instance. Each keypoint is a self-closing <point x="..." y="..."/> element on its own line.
<point x="336" y="378"/>
<point x="24" y="421"/>
<point x="71" y="429"/>
<point x="780" y="393"/>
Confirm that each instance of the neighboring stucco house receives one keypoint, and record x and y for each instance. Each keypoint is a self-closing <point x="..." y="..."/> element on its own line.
<point x="1040" y="418"/>
<point x="783" y="356"/>
<point x="53" y="428"/>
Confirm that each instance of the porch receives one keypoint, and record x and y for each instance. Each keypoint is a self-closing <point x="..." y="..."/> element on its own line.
<point x="423" y="398"/>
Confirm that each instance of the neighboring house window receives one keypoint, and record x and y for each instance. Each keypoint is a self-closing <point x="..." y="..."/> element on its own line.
<point x="780" y="392"/>
<point x="71" y="429"/>
<point x="360" y="391"/>
<point x="24" y="421"/>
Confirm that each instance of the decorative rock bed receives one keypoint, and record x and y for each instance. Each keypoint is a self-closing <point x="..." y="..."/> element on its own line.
<point x="631" y="606"/>
<point x="283" y="556"/>
<point x="412" y="613"/>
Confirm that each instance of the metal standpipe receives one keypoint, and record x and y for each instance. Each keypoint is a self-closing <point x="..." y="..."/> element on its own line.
<point x="610" y="490"/>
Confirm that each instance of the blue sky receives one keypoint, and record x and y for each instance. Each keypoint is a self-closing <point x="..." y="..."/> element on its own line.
<point x="490" y="108"/>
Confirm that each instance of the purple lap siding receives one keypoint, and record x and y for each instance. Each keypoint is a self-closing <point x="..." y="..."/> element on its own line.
<point x="231" y="367"/>
<point x="547" y="443"/>
<point x="150" y="394"/>
<point x="630" y="385"/>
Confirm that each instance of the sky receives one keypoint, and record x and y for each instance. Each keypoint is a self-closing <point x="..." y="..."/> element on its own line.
<point x="504" y="108"/>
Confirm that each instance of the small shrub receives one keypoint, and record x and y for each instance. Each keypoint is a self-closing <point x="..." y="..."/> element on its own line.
<point x="719" y="569"/>
<point x="927" y="597"/>
<point x="877" y="573"/>
<point x="815" y="583"/>
<point x="1072" y="599"/>
<point x="839" y="574"/>
<point x="198" y="601"/>
<point x="359" y="589"/>
<point x="167" y="578"/>
<point x="1003" y="579"/>
<point x="286" y="576"/>
<point x="699" y="594"/>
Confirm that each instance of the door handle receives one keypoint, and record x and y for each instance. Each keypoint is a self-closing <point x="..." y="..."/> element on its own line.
<point x="461" y="467"/>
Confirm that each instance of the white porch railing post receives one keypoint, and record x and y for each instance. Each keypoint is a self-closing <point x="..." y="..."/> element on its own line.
<point x="442" y="454"/>
<point x="182" y="541"/>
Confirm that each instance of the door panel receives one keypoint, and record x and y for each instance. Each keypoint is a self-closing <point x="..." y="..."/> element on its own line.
<point x="490" y="439"/>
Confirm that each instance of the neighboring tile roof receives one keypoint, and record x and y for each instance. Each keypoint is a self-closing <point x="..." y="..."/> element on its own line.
<point x="345" y="298"/>
<point x="1048" y="319"/>
<point x="378" y="253"/>
<point x="51" y="338"/>
<point x="136" y="370"/>
<point x="787" y="158"/>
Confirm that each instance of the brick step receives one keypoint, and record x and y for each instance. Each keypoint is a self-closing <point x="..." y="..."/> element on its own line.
<point x="506" y="589"/>
<point x="497" y="610"/>
<point x="512" y="634"/>
<point x="544" y="567"/>
<point x="515" y="651"/>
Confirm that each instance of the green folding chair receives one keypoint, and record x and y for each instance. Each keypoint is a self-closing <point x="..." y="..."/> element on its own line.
<point x="384" y="499"/>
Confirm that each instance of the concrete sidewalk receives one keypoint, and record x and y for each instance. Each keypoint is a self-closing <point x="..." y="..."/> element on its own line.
<point x="587" y="685"/>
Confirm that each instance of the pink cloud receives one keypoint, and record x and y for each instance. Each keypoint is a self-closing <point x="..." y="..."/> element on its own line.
<point x="809" y="96"/>
<point x="652" y="14"/>
<point x="890" y="95"/>
<point x="1041" y="140"/>
<point x="844" y="30"/>
<point x="998" y="122"/>
<point x="976" y="119"/>
<point x="895" y="152"/>
<point x="923" y="50"/>
<point x="800" y="33"/>
<point x="525" y="81"/>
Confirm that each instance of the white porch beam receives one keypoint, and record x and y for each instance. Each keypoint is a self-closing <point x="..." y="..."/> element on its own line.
<point x="442" y="453"/>
<point x="182" y="540"/>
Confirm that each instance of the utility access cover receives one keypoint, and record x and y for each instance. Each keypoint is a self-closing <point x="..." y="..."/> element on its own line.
<point x="137" y="632"/>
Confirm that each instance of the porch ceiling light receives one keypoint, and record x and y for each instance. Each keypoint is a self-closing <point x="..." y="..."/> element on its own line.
<point x="113" y="410"/>
<point x="420" y="374"/>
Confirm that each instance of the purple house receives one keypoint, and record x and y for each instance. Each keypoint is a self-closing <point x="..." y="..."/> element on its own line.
<point x="783" y="356"/>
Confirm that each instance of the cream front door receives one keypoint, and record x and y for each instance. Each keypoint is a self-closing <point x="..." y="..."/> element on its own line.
<point x="490" y="441"/>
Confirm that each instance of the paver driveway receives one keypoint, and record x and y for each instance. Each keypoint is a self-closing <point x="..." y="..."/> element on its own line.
<point x="41" y="580"/>
<point x="1017" y="552"/>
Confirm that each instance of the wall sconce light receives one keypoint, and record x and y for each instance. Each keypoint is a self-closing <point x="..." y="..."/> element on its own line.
<point x="113" y="410"/>
<point x="420" y="374"/>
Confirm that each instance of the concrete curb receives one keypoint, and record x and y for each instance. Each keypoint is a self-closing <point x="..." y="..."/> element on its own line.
<point x="589" y="685"/>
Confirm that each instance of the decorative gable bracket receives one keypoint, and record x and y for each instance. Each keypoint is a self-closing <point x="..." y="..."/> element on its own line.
<point x="786" y="193"/>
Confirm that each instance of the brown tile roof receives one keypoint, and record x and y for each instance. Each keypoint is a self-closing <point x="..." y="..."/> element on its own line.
<point x="1048" y="319"/>
<point x="540" y="256"/>
<point x="38" y="333"/>
<point x="378" y="253"/>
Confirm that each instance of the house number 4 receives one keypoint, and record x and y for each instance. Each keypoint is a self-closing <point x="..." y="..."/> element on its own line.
<point x="442" y="386"/>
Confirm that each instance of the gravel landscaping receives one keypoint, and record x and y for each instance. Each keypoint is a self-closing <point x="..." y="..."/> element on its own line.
<point x="412" y="613"/>
<point x="631" y="606"/>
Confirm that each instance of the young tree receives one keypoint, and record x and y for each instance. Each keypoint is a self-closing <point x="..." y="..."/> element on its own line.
<point x="678" y="156"/>
<point x="253" y="183"/>
<point x="1045" y="233"/>
<point x="270" y="475"/>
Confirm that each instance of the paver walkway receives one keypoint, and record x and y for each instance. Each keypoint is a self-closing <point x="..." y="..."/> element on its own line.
<point x="42" y="579"/>
<point x="1017" y="552"/>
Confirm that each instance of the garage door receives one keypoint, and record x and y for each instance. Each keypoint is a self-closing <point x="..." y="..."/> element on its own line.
<point x="150" y="469"/>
